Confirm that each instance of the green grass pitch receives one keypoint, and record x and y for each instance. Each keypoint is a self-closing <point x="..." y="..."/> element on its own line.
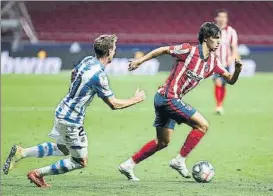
<point x="238" y="144"/>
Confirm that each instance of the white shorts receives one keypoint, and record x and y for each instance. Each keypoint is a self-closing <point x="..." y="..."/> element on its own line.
<point x="72" y="136"/>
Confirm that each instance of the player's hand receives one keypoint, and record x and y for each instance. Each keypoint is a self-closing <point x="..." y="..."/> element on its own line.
<point x="134" y="64"/>
<point x="140" y="95"/>
<point x="238" y="64"/>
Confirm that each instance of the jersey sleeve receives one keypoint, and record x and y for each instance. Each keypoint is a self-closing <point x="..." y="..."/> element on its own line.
<point x="180" y="51"/>
<point x="234" y="37"/>
<point x="101" y="86"/>
<point x="218" y="68"/>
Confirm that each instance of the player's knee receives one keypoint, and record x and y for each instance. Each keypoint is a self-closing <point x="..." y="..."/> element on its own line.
<point x="204" y="126"/>
<point x="218" y="82"/>
<point x="163" y="143"/>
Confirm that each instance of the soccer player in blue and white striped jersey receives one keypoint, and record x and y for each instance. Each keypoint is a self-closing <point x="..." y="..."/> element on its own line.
<point x="88" y="78"/>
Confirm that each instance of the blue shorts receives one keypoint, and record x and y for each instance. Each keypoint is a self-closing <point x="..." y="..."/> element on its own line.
<point x="171" y="111"/>
<point x="215" y="76"/>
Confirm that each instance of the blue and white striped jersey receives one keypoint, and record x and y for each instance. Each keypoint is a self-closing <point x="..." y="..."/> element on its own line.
<point x="88" y="78"/>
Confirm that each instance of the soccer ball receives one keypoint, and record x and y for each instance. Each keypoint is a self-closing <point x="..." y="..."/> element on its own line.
<point x="203" y="171"/>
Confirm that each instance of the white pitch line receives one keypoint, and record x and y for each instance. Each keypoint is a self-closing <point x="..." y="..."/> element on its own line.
<point x="27" y="109"/>
<point x="52" y="109"/>
<point x="135" y="109"/>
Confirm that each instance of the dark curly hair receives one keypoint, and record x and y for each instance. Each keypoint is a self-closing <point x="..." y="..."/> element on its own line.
<point x="208" y="29"/>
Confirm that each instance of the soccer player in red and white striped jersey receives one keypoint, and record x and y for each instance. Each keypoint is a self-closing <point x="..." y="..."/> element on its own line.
<point x="193" y="64"/>
<point x="227" y="53"/>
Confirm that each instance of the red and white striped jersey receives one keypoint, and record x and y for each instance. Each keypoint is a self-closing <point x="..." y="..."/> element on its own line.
<point x="228" y="38"/>
<point x="189" y="70"/>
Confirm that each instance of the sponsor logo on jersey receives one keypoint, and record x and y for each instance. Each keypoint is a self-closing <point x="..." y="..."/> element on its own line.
<point x="194" y="76"/>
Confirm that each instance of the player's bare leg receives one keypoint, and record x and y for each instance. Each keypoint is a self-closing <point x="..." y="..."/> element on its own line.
<point x="162" y="141"/>
<point x="200" y="126"/>
<point x="18" y="153"/>
<point x="219" y="93"/>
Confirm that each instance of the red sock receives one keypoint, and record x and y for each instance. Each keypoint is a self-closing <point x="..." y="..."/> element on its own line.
<point x="192" y="140"/>
<point x="146" y="151"/>
<point x="223" y="94"/>
<point x="217" y="94"/>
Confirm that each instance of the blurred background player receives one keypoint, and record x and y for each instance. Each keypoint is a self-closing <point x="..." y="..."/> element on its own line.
<point x="227" y="53"/>
<point x="42" y="54"/>
<point x="88" y="78"/>
<point x="193" y="64"/>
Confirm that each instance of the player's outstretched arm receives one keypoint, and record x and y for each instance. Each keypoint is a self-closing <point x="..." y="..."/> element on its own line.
<point x="232" y="78"/>
<point x="154" y="53"/>
<point x="116" y="104"/>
